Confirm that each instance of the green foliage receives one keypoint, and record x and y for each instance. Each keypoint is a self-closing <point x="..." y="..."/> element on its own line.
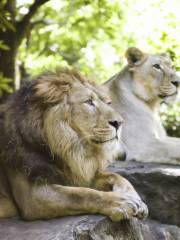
<point x="4" y="23"/>
<point x="84" y="34"/>
<point x="4" y="85"/>
<point x="93" y="35"/>
<point x="171" y="119"/>
<point x="3" y="46"/>
<point x="5" y="18"/>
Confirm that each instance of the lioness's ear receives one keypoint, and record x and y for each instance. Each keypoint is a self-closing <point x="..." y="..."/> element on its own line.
<point x="134" y="56"/>
<point x="165" y="55"/>
<point x="52" y="88"/>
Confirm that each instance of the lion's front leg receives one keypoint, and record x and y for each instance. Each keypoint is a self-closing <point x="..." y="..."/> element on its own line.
<point x="7" y="207"/>
<point x="107" y="181"/>
<point x="47" y="201"/>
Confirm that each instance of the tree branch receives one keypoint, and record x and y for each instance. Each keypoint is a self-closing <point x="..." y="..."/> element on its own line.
<point x="23" y="25"/>
<point x="10" y="6"/>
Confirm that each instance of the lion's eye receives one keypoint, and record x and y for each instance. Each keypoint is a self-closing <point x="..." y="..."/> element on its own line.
<point x="90" y="102"/>
<point x="157" y="66"/>
<point x="109" y="103"/>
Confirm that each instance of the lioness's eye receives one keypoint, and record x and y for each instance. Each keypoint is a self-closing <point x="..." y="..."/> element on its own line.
<point x="157" y="66"/>
<point x="90" y="102"/>
<point x="109" y="103"/>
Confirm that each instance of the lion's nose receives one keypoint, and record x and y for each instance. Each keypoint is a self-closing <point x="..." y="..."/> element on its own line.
<point x="116" y="124"/>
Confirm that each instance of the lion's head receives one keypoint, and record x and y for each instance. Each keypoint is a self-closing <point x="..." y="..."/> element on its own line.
<point x="154" y="76"/>
<point x="79" y="124"/>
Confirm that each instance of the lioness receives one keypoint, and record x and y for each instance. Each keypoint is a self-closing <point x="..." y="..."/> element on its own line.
<point x="57" y="135"/>
<point x="137" y="92"/>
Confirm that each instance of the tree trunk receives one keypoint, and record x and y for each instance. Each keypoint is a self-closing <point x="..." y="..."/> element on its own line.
<point x="13" y="36"/>
<point x="8" y="57"/>
<point x="8" y="36"/>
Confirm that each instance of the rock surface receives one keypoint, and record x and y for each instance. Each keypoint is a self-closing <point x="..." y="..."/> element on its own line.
<point x="86" y="228"/>
<point x="159" y="186"/>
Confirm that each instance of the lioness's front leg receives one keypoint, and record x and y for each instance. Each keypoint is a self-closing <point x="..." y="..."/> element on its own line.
<point x="48" y="201"/>
<point x="107" y="181"/>
<point x="165" y="151"/>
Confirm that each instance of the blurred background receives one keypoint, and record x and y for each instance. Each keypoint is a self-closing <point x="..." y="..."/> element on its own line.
<point x="91" y="35"/>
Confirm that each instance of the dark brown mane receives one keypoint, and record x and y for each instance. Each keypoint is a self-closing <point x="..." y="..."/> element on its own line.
<point x="22" y="142"/>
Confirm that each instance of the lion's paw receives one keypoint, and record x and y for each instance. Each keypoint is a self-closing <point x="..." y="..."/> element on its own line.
<point x="140" y="208"/>
<point x="126" y="207"/>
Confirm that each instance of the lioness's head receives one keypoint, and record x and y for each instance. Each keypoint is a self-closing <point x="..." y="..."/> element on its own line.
<point x="153" y="75"/>
<point x="78" y="118"/>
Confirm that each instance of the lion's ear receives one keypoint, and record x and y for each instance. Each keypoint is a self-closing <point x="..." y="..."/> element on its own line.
<point x="134" y="56"/>
<point x="51" y="89"/>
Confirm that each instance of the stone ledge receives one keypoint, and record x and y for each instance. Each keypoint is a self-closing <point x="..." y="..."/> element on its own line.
<point x="87" y="228"/>
<point x="158" y="185"/>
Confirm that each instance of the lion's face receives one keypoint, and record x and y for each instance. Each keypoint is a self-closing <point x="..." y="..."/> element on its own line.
<point x="91" y="116"/>
<point x="79" y="113"/>
<point x="154" y="75"/>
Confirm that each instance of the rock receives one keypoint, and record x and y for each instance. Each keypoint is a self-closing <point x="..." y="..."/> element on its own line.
<point x="158" y="185"/>
<point x="86" y="228"/>
<point x="104" y="229"/>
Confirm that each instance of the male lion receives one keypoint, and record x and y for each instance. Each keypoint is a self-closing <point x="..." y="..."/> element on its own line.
<point x="137" y="92"/>
<point x="57" y="135"/>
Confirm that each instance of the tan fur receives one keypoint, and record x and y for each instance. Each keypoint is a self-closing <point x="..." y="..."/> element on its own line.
<point x="7" y="206"/>
<point x="137" y="92"/>
<point x="71" y="117"/>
